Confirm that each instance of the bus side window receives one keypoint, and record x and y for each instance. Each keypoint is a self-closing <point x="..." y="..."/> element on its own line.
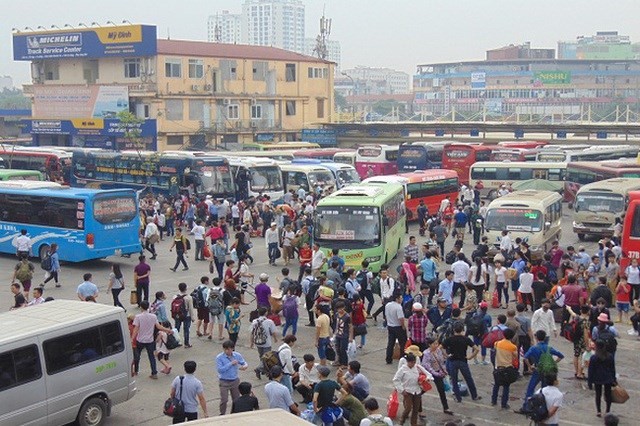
<point x="635" y="224"/>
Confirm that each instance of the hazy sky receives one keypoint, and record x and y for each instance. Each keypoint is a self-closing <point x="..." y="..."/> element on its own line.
<point x="391" y="33"/>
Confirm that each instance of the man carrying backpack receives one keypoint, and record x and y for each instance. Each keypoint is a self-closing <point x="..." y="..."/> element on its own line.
<point x="215" y="307"/>
<point x="199" y="297"/>
<point x="23" y="272"/>
<point x="539" y="359"/>
<point x="182" y="311"/>
<point x="364" y="278"/>
<point x="263" y="333"/>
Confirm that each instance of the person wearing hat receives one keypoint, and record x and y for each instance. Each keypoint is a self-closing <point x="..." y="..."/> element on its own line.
<point x="324" y="390"/>
<point x="604" y="330"/>
<point x="271" y="240"/>
<point x="406" y="381"/>
<point x="263" y="291"/>
<point x="417" y="326"/>
<point x="439" y="313"/>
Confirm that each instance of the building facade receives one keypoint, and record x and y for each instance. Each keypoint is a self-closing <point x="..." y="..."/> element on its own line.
<point x="184" y="93"/>
<point x="225" y="28"/>
<point x="277" y="23"/>
<point x="373" y="81"/>
<point x="603" y="45"/>
<point x="520" y="51"/>
<point x="571" y="88"/>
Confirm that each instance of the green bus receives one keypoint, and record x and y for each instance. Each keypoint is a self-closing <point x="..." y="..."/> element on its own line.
<point x="366" y="222"/>
<point x="15" y="174"/>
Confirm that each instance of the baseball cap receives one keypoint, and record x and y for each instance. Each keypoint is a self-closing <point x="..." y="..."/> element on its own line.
<point x="484" y="305"/>
<point x="441" y="299"/>
<point x="264" y="277"/>
<point x="274" y="224"/>
<point x="417" y="306"/>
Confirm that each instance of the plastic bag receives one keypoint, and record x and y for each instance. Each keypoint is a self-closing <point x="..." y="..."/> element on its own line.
<point x="447" y="384"/>
<point x="393" y="404"/>
<point x="495" y="301"/>
<point x="176" y="334"/>
<point x="352" y="351"/>
<point x="234" y="255"/>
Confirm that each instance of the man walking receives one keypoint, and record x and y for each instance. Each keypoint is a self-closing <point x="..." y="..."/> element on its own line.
<point x="396" y="326"/>
<point x="263" y="333"/>
<point x="272" y="239"/>
<point x="141" y="274"/>
<point x="182" y="311"/>
<point x="143" y="327"/>
<point x="456" y="346"/>
<point x="228" y="362"/>
<point x="190" y="391"/>
<point x="542" y="319"/>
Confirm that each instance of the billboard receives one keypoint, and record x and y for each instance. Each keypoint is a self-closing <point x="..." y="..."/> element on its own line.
<point x="101" y="42"/>
<point x="71" y="101"/>
<point x="541" y="78"/>
<point x="478" y="80"/>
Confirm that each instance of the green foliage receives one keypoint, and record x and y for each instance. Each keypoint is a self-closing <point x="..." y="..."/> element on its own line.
<point x="14" y="99"/>
<point x="339" y="100"/>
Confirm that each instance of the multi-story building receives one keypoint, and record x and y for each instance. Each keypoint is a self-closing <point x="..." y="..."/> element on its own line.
<point x="334" y="51"/>
<point x="225" y="28"/>
<point x="604" y="45"/>
<point x="185" y="93"/>
<point x="520" y="51"/>
<point x="373" y="81"/>
<point x="278" y="23"/>
<point x="528" y="86"/>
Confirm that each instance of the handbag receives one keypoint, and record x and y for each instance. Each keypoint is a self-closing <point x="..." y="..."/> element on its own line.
<point x="331" y="414"/>
<point x="174" y="407"/>
<point x="619" y="395"/>
<point x="409" y="343"/>
<point x="397" y="353"/>
<point x="393" y="404"/>
<point x="360" y="330"/>
<point x="492" y="337"/>
<point x="330" y="353"/>
<point x="211" y="267"/>
<point x="206" y="251"/>
<point x="133" y="299"/>
<point x="504" y="376"/>
<point x="424" y="382"/>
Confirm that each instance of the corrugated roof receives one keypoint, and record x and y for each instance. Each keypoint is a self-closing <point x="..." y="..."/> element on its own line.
<point x="237" y="51"/>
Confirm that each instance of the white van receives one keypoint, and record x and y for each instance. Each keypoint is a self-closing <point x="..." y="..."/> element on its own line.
<point x="532" y="215"/>
<point x="64" y="361"/>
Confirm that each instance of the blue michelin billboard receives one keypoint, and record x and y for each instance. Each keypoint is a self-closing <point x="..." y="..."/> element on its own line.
<point x="101" y="42"/>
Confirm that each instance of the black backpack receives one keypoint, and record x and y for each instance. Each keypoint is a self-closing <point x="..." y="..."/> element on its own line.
<point x="450" y="257"/>
<point x="609" y="340"/>
<point x="475" y="324"/>
<point x="362" y="279"/>
<point x="536" y="407"/>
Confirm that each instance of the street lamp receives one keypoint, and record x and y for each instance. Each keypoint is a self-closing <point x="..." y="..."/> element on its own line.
<point x="124" y="21"/>
<point x="68" y="26"/>
<point x="112" y="23"/>
<point x="95" y="24"/>
<point x="55" y="26"/>
<point x="353" y="84"/>
<point x="82" y="24"/>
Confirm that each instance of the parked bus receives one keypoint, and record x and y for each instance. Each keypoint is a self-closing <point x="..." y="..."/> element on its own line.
<point x="254" y="176"/>
<point x="320" y="154"/>
<point x="430" y="186"/>
<point x="277" y="146"/>
<point x="280" y="155"/>
<point x="582" y="173"/>
<point x="493" y="174"/>
<point x="166" y="173"/>
<point x="55" y="165"/>
<point x="366" y="222"/>
<point x="631" y="231"/>
<point x="345" y="157"/>
<point x="62" y="362"/>
<point x="518" y="144"/>
<point x="13" y="174"/>
<point x="460" y="157"/>
<point x="599" y="204"/>
<point x="306" y="176"/>
<point x="344" y="174"/>
<point x="513" y="154"/>
<point x="376" y="160"/>
<point x="85" y="223"/>
<point x="592" y="153"/>
<point x="420" y="155"/>
<point x="534" y="216"/>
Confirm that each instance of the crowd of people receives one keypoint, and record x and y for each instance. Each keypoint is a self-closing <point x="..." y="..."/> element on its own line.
<point x="435" y="308"/>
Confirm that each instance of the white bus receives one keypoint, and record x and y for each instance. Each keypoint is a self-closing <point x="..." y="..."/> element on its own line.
<point x="306" y="176"/>
<point x="532" y="215"/>
<point x="254" y="176"/>
<point x="347" y="157"/>
<point x="64" y="361"/>
<point x="493" y="174"/>
<point x="591" y="153"/>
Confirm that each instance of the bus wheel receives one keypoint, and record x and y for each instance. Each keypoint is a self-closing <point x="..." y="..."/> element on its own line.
<point x="581" y="237"/>
<point x="42" y="252"/>
<point x="92" y="412"/>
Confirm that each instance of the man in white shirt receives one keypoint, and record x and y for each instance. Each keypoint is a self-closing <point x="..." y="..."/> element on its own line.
<point x="543" y="320"/>
<point x="301" y="193"/>
<point x="387" y="286"/>
<point x="37" y="297"/>
<point x="396" y="327"/>
<point x="198" y="232"/>
<point x="308" y="377"/>
<point x="318" y="259"/>
<point x="151" y="237"/>
<point x="444" y="204"/>
<point x="372" y="407"/>
<point x="286" y="359"/>
<point x="554" y="398"/>
<point x="506" y="245"/>
<point x="460" y="270"/>
<point x="22" y="243"/>
<point x="272" y="239"/>
<point x="235" y="214"/>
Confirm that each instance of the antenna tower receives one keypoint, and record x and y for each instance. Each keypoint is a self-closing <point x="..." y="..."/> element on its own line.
<point x="321" y="40"/>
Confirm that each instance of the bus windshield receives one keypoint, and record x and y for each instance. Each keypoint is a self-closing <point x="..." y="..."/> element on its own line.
<point x="215" y="179"/>
<point x="266" y="178"/>
<point x="321" y="178"/>
<point x="598" y="202"/>
<point x="508" y="219"/>
<point x="341" y="225"/>
<point x="370" y="152"/>
<point x="114" y="209"/>
<point x="552" y="157"/>
<point x="347" y="176"/>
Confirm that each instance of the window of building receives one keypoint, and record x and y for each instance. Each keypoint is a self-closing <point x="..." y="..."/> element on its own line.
<point x="196" y="109"/>
<point x="259" y="70"/>
<point x="174" y="109"/>
<point x="320" y="107"/>
<point x="173" y="68"/>
<point x="256" y="111"/>
<point x="314" y="72"/>
<point x="290" y="72"/>
<point x="132" y="68"/>
<point x="290" y="107"/>
<point x="229" y="69"/>
<point x="65" y="352"/>
<point x="233" y="111"/>
<point x="51" y="70"/>
<point x="19" y="366"/>
<point x="174" y="140"/>
<point x="196" y="68"/>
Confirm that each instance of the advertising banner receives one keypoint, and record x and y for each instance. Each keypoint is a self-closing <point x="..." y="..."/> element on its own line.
<point x="551" y="77"/>
<point x="100" y="42"/>
<point x="323" y="137"/>
<point x="478" y="80"/>
<point x="70" y="101"/>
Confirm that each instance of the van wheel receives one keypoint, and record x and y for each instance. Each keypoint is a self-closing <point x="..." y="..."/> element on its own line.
<point x="42" y="252"/>
<point x="581" y="237"/>
<point x="92" y="412"/>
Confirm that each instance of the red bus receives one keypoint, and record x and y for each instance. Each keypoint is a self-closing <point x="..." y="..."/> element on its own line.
<point x="320" y="153"/>
<point x="460" y="157"/>
<point x="522" y="144"/>
<point x="54" y="164"/>
<point x="631" y="231"/>
<point x="581" y="173"/>
<point x="376" y="160"/>
<point x="431" y="186"/>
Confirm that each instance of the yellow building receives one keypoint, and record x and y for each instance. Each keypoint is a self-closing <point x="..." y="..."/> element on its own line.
<point x="189" y="93"/>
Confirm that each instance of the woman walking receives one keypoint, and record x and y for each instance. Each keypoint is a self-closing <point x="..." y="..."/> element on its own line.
<point x="116" y="284"/>
<point x="602" y="373"/>
<point x="406" y="382"/>
<point x="433" y="360"/>
<point x="55" y="265"/>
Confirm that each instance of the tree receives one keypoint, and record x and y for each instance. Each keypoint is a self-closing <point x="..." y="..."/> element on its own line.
<point x="130" y="126"/>
<point x="14" y="99"/>
<point x="385" y="106"/>
<point x="339" y="100"/>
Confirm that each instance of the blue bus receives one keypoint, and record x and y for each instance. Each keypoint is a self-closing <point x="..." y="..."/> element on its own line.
<point x="420" y="155"/>
<point x="345" y="174"/>
<point x="85" y="223"/>
<point x="144" y="171"/>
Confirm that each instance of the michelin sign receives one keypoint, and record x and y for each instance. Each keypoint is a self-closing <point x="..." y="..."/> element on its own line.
<point x="119" y="41"/>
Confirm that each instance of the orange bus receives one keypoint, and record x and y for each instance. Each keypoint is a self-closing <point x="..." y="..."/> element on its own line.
<point x="631" y="231"/>
<point x="460" y="157"/>
<point x="54" y="164"/>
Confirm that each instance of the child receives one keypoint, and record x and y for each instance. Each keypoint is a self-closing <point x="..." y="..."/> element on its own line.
<point x="130" y="318"/>
<point x="162" y="352"/>
<point x="233" y="317"/>
<point x="246" y="401"/>
<point x="290" y="311"/>
<point x="586" y="356"/>
<point x="623" y="290"/>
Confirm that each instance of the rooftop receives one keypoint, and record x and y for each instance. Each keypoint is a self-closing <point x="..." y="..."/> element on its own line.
<point x="231" y="51"/>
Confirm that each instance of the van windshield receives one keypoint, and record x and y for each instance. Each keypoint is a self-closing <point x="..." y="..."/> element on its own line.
<point x="599" y="202"/>
<point x="510" y="219"/>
